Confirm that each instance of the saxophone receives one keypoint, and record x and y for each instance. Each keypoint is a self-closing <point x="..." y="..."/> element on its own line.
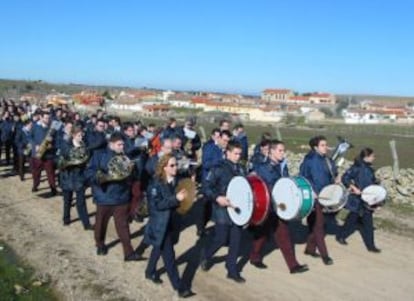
<point x="47" y="141"/>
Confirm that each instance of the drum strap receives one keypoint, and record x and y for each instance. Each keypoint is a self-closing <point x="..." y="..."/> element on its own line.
<point x="329" y="165"/>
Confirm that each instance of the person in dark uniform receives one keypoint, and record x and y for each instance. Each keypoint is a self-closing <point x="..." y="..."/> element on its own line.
<point x="357" y="177"/>
<point x="23" y="144"/>
<point x="271" y="171"/>
<point x="320" y="171"/>
<point x="212" y="155"/>
<point x="215" y="187"/>
<point x="111" y="197"/>
<point x="7" y="132"/>
<point x="134" y="153"/>
<point x="95" y="139"/>
<point x="163" y="228"/>
<point x="261" y="156"/>
<point x="72" y="177"/>
<point x="40" y="132"/>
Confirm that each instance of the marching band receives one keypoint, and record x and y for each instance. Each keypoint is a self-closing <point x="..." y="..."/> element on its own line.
<point x="135" y="174"/>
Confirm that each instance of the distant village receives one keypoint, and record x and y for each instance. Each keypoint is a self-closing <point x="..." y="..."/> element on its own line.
<point x="273" y="105"/>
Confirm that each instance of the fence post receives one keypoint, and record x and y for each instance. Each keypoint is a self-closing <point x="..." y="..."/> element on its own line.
<point x="395" y="167"/>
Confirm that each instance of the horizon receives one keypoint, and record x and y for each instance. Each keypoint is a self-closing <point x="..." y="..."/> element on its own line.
<point x="232" y="47"/>
<point x="183" y="90"/>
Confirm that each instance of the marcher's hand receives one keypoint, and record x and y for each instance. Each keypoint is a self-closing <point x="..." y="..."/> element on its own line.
<point x="356" y="190"/>
<point x="181" y="195"/>
<point x="223" y="201"/>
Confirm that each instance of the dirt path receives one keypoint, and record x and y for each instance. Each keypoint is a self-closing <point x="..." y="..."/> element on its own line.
<point x="32" y="226"/>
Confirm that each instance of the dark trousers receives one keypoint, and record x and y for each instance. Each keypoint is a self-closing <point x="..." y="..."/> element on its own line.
<point x="206" y="209"/>
<point x="20" y="166"/>
<point x="316" y="237"/>
<point x="120" y="214"/>
<point x="166" y="250"/>
<point x="222" y="235"/>
<point x="367" y="230"/>
<point x="7" y="148"/>
<point x="37" y="167"/>
<point x="280" y="230"/>
<point x="136" y="195"/>
<point x="80" y="206"/>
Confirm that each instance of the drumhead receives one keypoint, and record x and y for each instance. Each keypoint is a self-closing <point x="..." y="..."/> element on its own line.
<point x="241" y="197"/>
<point x="287" y="198"/>
<point x="374" y="194"/>
<point x="331" y="195"/>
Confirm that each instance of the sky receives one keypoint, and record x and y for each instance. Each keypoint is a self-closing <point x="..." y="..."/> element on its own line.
<point x="228" y="46"/>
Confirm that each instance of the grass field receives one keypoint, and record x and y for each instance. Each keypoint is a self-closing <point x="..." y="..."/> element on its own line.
<point x="17" y="281"/>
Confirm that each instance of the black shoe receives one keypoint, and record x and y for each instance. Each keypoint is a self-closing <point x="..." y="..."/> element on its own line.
<point x="66" y="223"/>
<point x="327" y="260"/>
<point x="299" y="269"/>
<point x="258" y="264"/>
<point x="35" y="189"/>
<point x="205" y="265"/>
<point x="89" y="227"/>
<point x="341" y="240"/>
<point x="313" y="254"/>
<point x="102" y="250"/>
<point x="138" y="218"/>
<point x="134" y="257"/>
<point x="201" y="233"/>
<point x="185" y="293"/>
<point x="374" y="250"/>
<point x="236" y="278"/>
<point x="154" y="278"/>
<point x="53" y="192"/>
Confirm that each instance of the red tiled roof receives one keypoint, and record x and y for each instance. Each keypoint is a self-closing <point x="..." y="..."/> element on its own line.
<point x="277" y="91"/>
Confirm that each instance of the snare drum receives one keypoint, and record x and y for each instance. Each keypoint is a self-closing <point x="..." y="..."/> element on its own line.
<point x="333" y="198"/>
<point x="240" y="195"/>
<point x="374" y="195"/>
<point x="292" y="198"/>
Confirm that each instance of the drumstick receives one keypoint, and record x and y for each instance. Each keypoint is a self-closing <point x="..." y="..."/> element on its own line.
<point x="281" y="206"/>
<point x="236" y="209"/>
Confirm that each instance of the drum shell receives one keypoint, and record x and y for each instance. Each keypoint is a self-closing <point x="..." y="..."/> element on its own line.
<point x="261" y="199"/>
<point x="292" y="198"/>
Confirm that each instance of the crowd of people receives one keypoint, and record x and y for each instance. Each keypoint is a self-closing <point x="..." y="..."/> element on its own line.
<point x="134" y="169"/>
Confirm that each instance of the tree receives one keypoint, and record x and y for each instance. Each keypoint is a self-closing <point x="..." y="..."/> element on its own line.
<point x="107" y="95"/>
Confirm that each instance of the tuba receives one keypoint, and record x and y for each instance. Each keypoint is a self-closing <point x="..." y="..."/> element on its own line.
<point x="119" y="168"/>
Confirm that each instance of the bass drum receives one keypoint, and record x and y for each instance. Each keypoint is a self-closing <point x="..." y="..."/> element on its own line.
<point x="261" y="199"/>
<point x="292" y="198"/>
<point x="240" y="195"/>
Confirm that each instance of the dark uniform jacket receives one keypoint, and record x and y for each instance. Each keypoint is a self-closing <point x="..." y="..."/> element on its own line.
<point x="216" y="184"/>
<point x="361" y="174"/>
<point x="72" y="178"/>
<point x="212" y="154"/>
<point x="22" y="139"/>
<point x="162" y="203"/>
<point x="95" y="141"/>
<point x="270" y="172"/>
<point x="316" y="170"/>
<point x="39" y="133"/>
<point x="111" y="193"/>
